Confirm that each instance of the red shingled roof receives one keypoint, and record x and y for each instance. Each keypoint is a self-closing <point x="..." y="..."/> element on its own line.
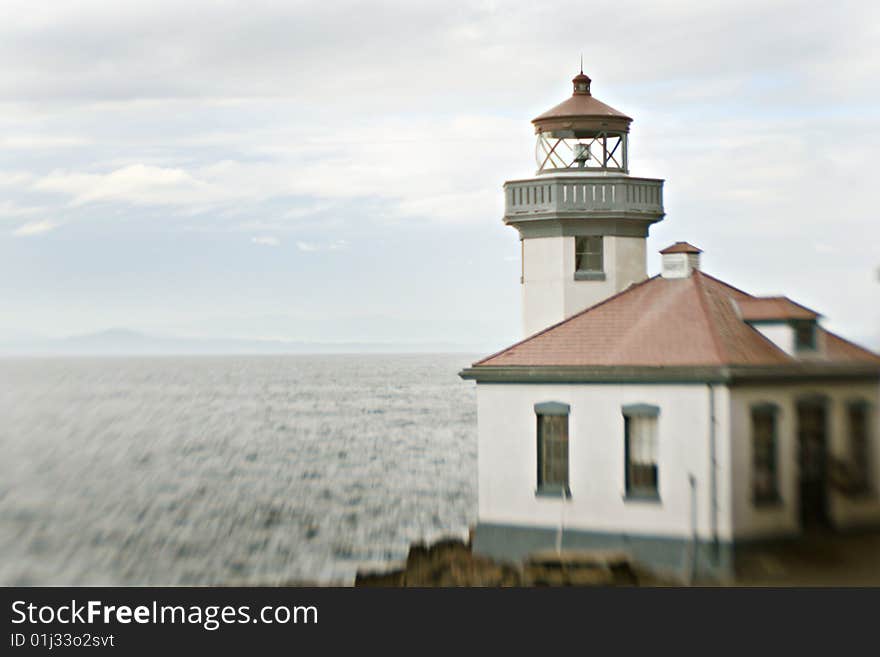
<point x="774" y="308"/>
<point x="693" y="321"/>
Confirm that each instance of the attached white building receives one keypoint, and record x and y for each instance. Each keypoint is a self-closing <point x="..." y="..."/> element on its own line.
<point x="674" y="417"/>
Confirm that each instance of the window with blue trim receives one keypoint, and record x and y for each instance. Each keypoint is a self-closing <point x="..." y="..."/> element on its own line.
<point x="552" y="427"/>
<point x="588" y="254"/>
<point x="642" y="474"/>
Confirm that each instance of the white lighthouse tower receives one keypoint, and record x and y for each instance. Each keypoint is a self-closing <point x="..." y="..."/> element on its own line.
<point x="582" y="218"/>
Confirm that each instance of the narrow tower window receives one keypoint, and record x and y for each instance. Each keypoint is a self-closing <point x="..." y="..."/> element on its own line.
<point x="588" y="254"/>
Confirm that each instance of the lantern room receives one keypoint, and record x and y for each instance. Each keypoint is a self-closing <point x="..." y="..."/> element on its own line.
<point x="582" y="134"/>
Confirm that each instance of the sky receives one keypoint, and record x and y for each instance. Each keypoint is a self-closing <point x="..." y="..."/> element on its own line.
<point x="333" y="171"/>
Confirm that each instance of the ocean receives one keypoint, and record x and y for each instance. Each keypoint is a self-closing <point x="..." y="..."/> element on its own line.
<point x="217" y="470"/>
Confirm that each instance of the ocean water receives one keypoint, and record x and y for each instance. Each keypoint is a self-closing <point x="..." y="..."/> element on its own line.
<point x="229" y="470"/>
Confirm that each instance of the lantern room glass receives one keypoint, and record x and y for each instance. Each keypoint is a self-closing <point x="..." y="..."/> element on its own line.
<point x="557" y="151"/>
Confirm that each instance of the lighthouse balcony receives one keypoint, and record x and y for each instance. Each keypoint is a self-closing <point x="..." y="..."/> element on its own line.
<point x="574" y="196"/>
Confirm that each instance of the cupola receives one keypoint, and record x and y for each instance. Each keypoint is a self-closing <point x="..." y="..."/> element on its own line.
<point x="679" y="260"/>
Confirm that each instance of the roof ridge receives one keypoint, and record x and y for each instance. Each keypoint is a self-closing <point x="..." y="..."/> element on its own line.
<point x="726" y="284"/>
<point x="721" y="351"/>
<point x="632" y="287"/>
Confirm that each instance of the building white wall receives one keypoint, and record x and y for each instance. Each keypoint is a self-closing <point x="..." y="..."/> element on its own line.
<point x="550" y="293"/>
<point x="543" y="288"/>
<point x="751" y="521"/>
<point x="507" y="461"/>
<point x="630" y="260"/>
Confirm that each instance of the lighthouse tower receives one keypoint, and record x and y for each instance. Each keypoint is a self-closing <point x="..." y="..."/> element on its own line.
<point x="582" y="219"/>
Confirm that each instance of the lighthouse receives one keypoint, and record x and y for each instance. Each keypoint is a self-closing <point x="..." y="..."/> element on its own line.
<point x="674" y="419"/>
<point x="582" y="218"/>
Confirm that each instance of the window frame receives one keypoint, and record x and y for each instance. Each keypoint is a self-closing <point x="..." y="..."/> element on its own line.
<point x="558" y="489"/>
<point x="797" y="326"/>
<point x="860" y="467"/>
<point x="774" y="496"/>
<point x="589" y="274"/>
<point x="631" y="412"/>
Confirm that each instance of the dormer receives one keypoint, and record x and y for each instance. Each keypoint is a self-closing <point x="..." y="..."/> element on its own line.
<point x="789" y="325"/>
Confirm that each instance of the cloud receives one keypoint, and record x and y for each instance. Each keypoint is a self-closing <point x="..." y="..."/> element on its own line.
<point x="415" y="52"/>
<point x="312" y="247"/>
<point x="266" y="241"/>
<point x="384" y="158"/>
<point x="34" y="228"/>
<point x="137" y="183"/>
<point x="10" y="209"/>
<point x="112" y="116"/>
<point x="27" y="142"/>
<point x="15" y="178"/>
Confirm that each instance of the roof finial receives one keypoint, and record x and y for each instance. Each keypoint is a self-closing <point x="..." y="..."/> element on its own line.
<point x="582" y="81"/>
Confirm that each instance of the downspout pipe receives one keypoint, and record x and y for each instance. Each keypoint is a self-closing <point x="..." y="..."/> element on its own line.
<point x="713" y="474"/>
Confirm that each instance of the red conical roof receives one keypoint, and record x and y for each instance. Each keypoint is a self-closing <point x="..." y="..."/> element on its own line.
<point x="582" y="112"/>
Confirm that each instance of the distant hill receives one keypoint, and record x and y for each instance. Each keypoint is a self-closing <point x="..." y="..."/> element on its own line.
<point x="122" y="342"/>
